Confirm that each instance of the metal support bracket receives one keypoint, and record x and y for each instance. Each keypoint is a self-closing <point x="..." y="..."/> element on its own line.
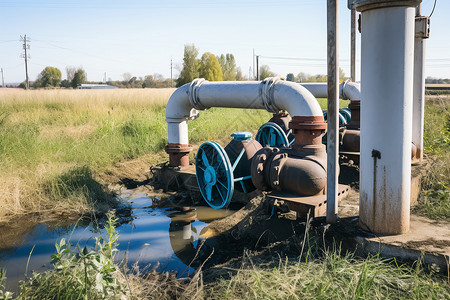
<point x="422" y="28"/>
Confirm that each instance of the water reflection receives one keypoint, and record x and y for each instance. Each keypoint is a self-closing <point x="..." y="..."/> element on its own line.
<point x="167" y="236"/>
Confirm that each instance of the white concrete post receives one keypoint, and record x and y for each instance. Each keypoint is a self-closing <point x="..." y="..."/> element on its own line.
<point x="387" y="60"/>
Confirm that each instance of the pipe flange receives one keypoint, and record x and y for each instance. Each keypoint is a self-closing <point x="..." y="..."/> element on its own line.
<point x="178" y="148"/>
<point x="194" y="98"/>
<point x="308" y="123"/>
<point x="362" y="5"/>
<point x="266" y="90"/>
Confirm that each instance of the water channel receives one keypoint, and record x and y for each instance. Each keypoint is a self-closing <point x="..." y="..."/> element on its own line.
<point x="162" y="238"/>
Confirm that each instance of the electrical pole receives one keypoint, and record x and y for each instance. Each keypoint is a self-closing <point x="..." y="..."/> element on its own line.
<point x="257" y="67"/>
<point x="26" y="47"/>
<point x="3" y="79"/>
<point x="253" y="63"/>
<point x="353" y="45"/>
<point x="171" y="77"/>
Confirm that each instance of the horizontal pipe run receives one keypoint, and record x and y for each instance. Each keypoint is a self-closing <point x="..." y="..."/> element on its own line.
<point x="272" y="94"/>
<point x="347" y="90"/>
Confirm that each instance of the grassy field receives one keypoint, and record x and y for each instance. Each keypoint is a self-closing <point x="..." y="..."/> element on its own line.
<point x="55" y="144"/>
<point x="434" y="201"/>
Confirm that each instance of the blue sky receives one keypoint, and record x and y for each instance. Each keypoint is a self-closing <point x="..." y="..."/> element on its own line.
<point x="141" y="37"/>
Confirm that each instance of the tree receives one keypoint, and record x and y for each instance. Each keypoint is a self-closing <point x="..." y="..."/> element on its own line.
<point x="50" y="76"/>
<point x="79" y="77"/>
<point x="126" y="76"/>
<point x="302" y="77"/>
<point x="65" y="83"/>
<point x="190" y="65"/>
<point x="210" y="68"/>
<point x="239" y="76"/>
<point x="70" y="71"/>
<point x="290" y="77"/>
<point x="264" y="72"/>
<point x="341" y="74"/>
<point x="228" y="65"/>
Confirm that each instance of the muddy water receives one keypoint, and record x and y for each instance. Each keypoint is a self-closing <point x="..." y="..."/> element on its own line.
<point x="161" y="238"/>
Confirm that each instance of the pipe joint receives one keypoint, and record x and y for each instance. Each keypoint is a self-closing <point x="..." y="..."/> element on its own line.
<point x="267" y="90"/>
<point x="193" y="91"/>
<point x="178" y="154"/>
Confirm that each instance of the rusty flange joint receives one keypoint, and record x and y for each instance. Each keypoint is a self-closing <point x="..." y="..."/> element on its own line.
<point x="178" y="155"/>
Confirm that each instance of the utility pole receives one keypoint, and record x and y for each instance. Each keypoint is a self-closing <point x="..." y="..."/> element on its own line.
<point x="104" y="78"/>
<point x="26" y="47"/>
<point x="3" y="79"/>
<point x="333" y="111"/>
<point x="171" y="74"/>
<point x="253" y="63"/>
<point x="257" y="67"/>
<point x="353" y="45"/>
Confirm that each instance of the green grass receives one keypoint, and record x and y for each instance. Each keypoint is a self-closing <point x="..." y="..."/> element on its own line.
<point x="332" y="277"/>
<point x="434" y="200"/>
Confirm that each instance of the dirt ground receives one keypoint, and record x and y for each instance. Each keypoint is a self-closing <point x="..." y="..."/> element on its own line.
<point x="252" y="228"/>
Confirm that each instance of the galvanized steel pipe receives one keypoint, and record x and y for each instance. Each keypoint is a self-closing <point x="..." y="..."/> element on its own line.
<point x="348" y="90"/>
<point x="271" y="94"/>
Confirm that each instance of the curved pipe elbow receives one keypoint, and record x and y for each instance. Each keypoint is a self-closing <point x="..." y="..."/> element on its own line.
<point x="350" y="91"/>
<point x="179" y="108"/>
<point x="296" y="100"/>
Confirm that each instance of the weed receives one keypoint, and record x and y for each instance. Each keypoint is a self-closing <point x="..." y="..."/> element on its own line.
<point x="4" y="295"/>
<point x="79" y="273"/>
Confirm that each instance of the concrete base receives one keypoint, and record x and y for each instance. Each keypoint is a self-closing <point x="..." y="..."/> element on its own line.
<point x="427" y="240"/>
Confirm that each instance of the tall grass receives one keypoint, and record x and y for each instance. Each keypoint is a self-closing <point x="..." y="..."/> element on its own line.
<point x="51" y="138"/>
<point x="334" y="276"/>
<point x="434" y="200"/>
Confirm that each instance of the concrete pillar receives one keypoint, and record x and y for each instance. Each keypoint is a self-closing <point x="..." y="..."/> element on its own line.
<point x="387" y="60"/>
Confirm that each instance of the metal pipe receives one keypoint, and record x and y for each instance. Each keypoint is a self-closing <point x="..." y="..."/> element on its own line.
<point x="387" y="48"/>
<point x="347" y="90"/>
<point x="333" y="109"/>
<point x="271" y="94"/>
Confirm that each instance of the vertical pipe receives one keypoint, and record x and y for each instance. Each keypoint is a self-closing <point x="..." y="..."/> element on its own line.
<point x="333" y="108"/>
<point x="387" y="56"/>
<point x="353" y="45"/>
<point x="418" y="93"/>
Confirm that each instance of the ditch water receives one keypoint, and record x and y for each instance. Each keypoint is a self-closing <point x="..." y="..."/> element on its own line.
<point x="162" y="238"/>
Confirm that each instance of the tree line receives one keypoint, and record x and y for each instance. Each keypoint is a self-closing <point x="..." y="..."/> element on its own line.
<point x="209" y="66"/>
